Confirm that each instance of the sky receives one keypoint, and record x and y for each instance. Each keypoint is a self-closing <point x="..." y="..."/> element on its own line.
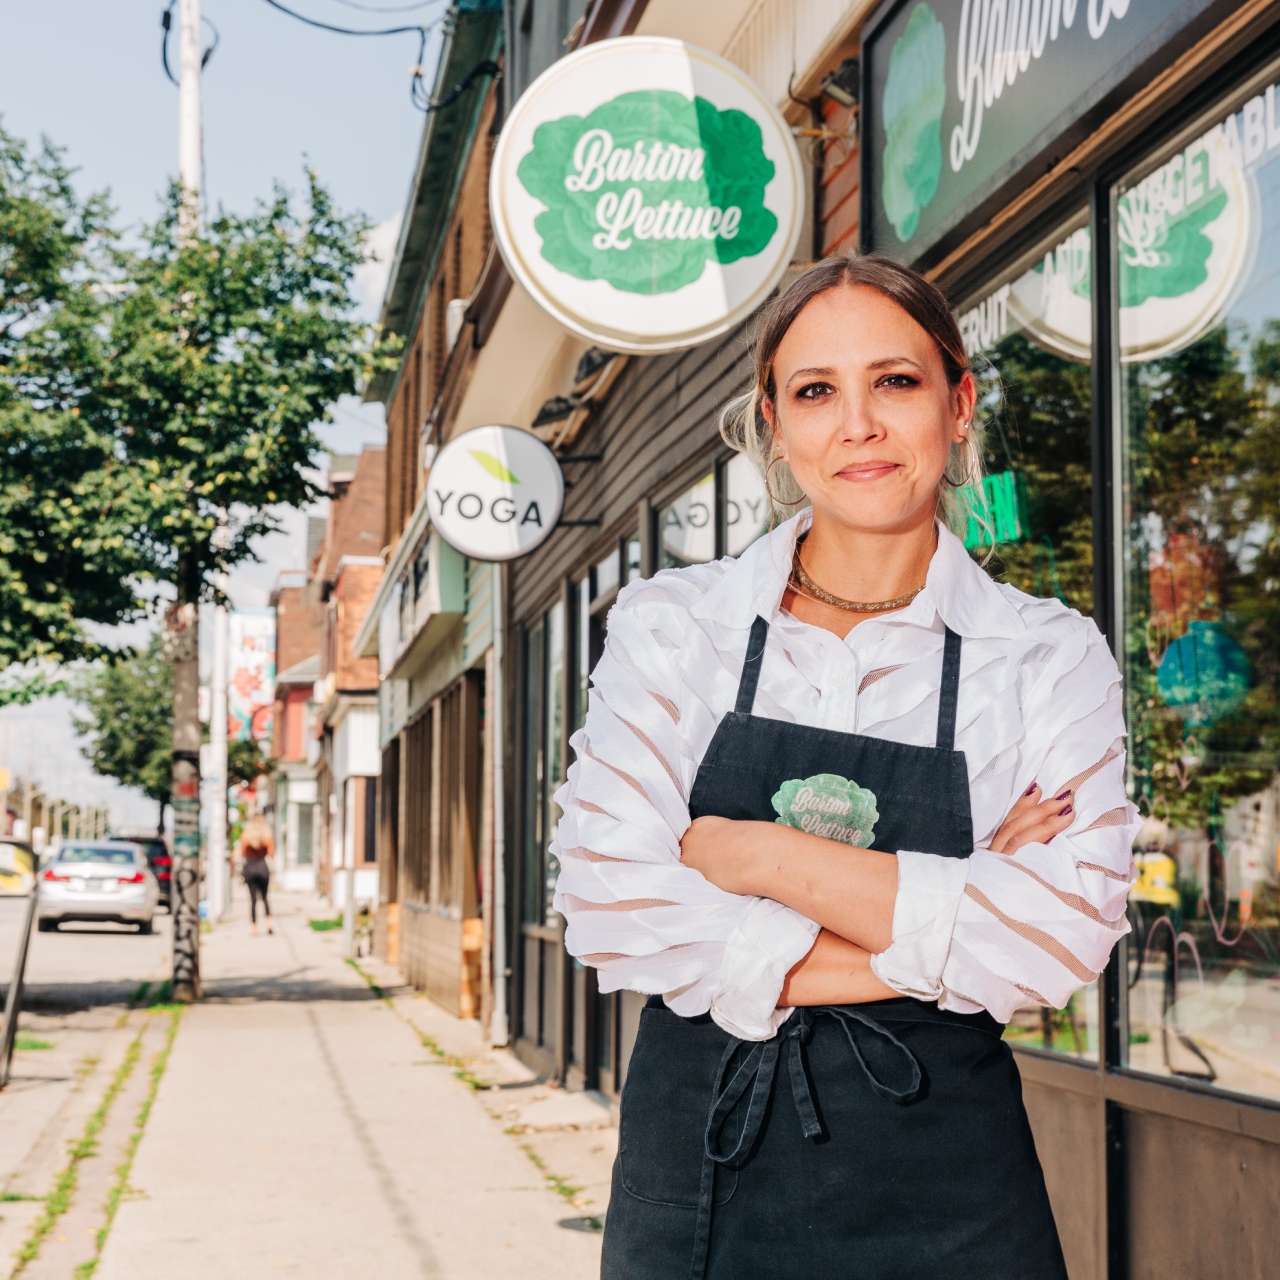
<point x="277" y="96"/>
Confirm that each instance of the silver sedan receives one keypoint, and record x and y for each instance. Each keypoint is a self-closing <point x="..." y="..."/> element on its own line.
<point x="98" y="880"/>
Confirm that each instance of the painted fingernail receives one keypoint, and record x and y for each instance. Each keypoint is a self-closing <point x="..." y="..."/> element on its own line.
<point x="1064" y="795"/>
<point x="1031" y="788"/>
<point x="1062" y="813"/>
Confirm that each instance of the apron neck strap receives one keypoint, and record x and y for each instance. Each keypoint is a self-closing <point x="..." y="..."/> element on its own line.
<point x="949" y="693"/>
<point x="751" y="667"/>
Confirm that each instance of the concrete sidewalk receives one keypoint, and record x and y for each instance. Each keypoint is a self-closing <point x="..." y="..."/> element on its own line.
<point x="307" y="1127"/>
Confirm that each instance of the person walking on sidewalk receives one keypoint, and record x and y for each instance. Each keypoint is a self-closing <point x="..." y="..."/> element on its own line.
<point x="256" y="845"/>
<point x="840" y="806"/>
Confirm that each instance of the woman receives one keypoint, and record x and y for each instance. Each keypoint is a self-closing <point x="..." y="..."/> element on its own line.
<point x="255" y="848"/>
<point x="841" y="805"/>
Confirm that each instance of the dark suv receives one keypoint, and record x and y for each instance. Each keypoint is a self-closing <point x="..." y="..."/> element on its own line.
<point x="158" y="859"/>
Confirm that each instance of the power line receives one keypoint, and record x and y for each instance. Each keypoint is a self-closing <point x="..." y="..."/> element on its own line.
<point x="372" y="8"/>
<point x="352" y="31"/>
<point x="166" y="22"/>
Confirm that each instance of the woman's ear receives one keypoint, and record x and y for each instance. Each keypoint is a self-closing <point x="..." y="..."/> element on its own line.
<point x="771" y="417"/>
<point x="966" y="402"/>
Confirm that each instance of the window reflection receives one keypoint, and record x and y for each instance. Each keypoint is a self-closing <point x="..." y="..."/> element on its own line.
<point x="1028" y="336"/>
<point x="1199" y="326"/>
<point x="555" y="762"/>
<point x="687" y="527"/>
<point x="746" y="504"/>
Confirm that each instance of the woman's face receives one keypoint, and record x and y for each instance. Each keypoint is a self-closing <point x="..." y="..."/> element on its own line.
<point x="864" y="413"/>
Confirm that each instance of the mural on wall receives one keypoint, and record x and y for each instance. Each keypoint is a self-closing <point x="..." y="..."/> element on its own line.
<point x="251" y="678"/>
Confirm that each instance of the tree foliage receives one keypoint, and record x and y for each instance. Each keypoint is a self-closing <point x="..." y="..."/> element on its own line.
<point x="150" y="394"/>
<point x="69" y="507"/>
<point x="219" y="354"/>
<point x="128" y="720"/>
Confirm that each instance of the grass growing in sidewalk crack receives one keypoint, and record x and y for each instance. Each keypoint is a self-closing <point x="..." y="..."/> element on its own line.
<point x="373" y="986"/>
<point x="121" y="1184"/>
<point x="461" y="1066"/>
<point x="14" y="1197"/>
<point x="323" y="926"/>
<point x="562" y="1187"/>
<point x="58" y="1201"/>
<point x="31" y="1042"/>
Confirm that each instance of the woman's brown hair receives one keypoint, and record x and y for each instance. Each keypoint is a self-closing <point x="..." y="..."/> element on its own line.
<point x="743" y="424"/>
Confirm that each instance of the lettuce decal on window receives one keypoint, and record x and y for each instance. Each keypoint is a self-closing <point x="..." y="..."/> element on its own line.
<point x="648" y="188"/>
<point x="830" y="806"/>
<point x="915" y="92"/>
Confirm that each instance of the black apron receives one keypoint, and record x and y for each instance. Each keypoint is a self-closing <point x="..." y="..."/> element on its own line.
<point x="882" y="1141"/>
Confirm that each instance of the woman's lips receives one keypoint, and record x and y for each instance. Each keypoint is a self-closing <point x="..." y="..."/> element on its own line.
<point x="861" y="472"/>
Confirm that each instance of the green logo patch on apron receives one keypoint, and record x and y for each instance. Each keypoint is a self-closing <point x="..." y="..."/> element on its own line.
<point x="830" y="806"/>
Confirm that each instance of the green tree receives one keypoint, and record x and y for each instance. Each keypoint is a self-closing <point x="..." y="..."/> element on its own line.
<point x="245" y="761"/>
<point x="218" y="355"/>
<point x="69" y="507"/>
<point x="128" y="721"/>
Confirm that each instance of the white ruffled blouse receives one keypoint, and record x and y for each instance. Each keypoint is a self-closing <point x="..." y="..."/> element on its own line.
<point x="1040" y="701"/>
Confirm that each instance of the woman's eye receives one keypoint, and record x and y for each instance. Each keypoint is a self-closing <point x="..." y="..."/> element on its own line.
<point x="814" y="391"/>
<point x="899" y="380"/>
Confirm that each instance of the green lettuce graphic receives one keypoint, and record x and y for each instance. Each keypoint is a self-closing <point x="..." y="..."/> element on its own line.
<point x="830" y="806"/>
<point x="1183" y="252"/>
<point x="648" y="188"/>
<point x="915" y="92"/>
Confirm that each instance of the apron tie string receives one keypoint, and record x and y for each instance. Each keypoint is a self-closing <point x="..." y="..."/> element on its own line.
<point x="756" y="1071"/>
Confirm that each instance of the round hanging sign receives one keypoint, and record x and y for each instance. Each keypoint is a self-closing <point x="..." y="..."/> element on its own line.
<point x="646" y="193"/>
<point x="495" y="493"/>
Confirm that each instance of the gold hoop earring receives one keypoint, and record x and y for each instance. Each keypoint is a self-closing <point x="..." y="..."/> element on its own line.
<point x="971" y="470"/>
<point x="768" y="488"/>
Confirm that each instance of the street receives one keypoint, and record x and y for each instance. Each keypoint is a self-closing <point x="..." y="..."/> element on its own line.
<point x="308" y="1117"/>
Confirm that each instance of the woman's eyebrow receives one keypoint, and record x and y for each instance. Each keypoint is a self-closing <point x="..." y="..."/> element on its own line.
<point x="886" y="361"/>
<point x="810" y="373"/>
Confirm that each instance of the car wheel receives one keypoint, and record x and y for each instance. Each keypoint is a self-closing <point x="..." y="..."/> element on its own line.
<point x="47" y="926"/>
<point x="144" y="926"/>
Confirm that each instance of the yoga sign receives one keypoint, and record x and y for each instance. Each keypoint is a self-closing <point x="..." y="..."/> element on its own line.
<point x="646" y="194"/>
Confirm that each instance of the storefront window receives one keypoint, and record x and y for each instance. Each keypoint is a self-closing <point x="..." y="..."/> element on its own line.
<point x="687" y="527"/>
<point x="608" y="574"/>
<point x="1028" y="335"/>
<point x="555" y="766"/>
<point x="531" y="779"/>
<point x="1199" y="338"/>
<point x="746" y="504"/>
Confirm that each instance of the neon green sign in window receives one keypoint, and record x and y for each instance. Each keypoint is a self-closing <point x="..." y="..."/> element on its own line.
<point x="997" y="510"/>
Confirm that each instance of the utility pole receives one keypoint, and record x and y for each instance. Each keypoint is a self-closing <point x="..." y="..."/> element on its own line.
<point x="218" y="875"/>
<point x="182" y="623"/>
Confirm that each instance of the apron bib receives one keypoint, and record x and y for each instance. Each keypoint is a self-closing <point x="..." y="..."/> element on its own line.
<point x="880" y="1141"/>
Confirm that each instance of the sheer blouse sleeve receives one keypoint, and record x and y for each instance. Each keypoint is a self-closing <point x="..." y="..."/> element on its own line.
<point x="634" y="912"/>
<point x="993" y="930"/>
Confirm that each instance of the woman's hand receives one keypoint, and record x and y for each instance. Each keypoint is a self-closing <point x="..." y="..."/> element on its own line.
<point x="1033" y="820"/>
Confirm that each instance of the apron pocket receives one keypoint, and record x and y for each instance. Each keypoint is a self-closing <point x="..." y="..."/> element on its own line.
<point x="665" y="1104"/>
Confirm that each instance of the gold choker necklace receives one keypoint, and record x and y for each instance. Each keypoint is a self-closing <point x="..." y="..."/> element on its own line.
<point x="802" y="584"/>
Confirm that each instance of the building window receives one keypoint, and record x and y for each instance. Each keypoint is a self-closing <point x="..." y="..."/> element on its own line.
<point x="553" y="774"/>
<point x="532" y="774"/>
<point x="1028" y="334"/>
<point x="687" y="526"/>
<point x="744" y="505"/>
<point x="1198" y="325"/>
<point x="306" y="833"/>
<point x="370" y="845"/>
